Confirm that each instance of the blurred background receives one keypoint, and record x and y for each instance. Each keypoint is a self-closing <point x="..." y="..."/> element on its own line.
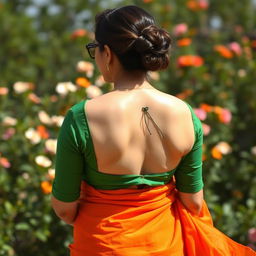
<point x="45" y="69"/>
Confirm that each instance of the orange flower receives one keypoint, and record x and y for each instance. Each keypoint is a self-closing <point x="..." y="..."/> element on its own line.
<point x="4" y="162"/>
<point x="147" y="1"/>
<point x="216" y="153"/>
<point x="217" y="110"/>
<point x="190" y="61"/>
<point x="197" y="5"/>
<point x="183" y="95"/>
<point x="42" y="132"/>
<point x="224" y="114"/>
<point x="204" y="157"/>
<point x="83" y="82"/>
<point x="78" y="33"/>
<point x="223" y="51"/>
<point x="193" y="5"/>
<point x="4" y="90"/>
<point x="34" y="98"/>
<point x="46" y="187"/>
<point x="184" y="42"/>
<point x="206" y="107"/>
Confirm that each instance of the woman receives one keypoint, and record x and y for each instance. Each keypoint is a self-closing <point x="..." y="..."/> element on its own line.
<point x="128" y="166"/>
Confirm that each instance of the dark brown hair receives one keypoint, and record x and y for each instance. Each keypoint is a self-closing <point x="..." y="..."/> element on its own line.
<point x="131" y="33"/>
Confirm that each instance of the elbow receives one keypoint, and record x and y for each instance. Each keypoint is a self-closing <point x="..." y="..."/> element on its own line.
<point x="195" y="208"/>
<point x="66" y="216"/>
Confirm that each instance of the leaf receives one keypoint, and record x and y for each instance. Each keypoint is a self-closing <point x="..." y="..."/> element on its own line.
<point x="22" y="226"/>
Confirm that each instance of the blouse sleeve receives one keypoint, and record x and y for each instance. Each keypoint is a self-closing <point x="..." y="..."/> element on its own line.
<point x="188" y="174"/>
<point x="69" y="162"/>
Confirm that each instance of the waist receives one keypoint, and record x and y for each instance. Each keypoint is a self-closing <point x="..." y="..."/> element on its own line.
<point x="106" y="181"/>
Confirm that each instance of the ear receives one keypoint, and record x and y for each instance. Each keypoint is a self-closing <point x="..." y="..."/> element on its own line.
<point x="108" y="54"/>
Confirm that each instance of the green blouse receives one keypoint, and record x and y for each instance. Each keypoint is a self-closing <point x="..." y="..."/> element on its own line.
<point x="76" y="161"/>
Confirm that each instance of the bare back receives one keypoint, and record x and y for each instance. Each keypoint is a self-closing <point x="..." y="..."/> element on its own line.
<point x="126" y="141"/>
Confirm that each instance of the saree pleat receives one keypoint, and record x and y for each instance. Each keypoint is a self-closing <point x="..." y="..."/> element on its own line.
<point x="149" y="221"/>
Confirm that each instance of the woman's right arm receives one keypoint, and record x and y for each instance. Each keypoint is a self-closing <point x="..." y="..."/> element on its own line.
<point x="192" y="201"/>
<point x="188" y="175"/>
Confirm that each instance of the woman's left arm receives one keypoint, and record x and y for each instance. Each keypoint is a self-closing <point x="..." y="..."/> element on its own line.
<point x="69" y="167"/>
<point x="67" y="211"/>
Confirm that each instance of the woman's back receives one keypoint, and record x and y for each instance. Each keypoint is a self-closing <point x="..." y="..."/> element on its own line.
<point x="127" y="141"/>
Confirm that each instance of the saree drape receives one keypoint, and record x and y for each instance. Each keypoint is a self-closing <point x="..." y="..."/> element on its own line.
<point x="145" y="222"/>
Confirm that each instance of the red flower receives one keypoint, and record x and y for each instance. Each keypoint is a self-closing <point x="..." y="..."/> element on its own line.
<point x="190" y="61"/>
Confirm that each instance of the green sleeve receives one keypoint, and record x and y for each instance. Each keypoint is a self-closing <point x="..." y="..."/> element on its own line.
<point x="188" y="174"/>
<point x="69" y="163"/>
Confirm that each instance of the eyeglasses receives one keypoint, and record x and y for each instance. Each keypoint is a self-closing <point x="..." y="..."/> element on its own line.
<point x="91" y="49"/>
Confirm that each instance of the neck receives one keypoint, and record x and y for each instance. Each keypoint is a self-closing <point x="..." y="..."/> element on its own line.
<point x="131" y="81"/>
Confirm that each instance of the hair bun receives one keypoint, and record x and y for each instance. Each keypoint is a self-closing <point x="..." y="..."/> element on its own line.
<point x="153" y="45"/>
<point x="131" y="33"/>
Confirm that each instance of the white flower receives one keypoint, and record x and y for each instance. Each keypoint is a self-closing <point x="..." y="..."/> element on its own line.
<point x="51" y="145"/>
<point x="241" y="73"/>
<point x="93" y="91"/>
<point x="65" y="87"/>
<point x="20" y="87"/>
<point x="253" y="150"/>
<point x="57" y="120"/>
<point x="9" y="121"/>
<point x="51" y="173"/>
<point x="224" y="147"/>
<point x="43" y="161"/>
<point x="44" y="118"/>
<point x="85" y="66"/>
<point x="25" y="176"/>
<point x="33" y="136"/>
<point x="100" y="81"/>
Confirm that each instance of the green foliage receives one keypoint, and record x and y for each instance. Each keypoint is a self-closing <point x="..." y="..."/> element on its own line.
<point x="41" y="44"/>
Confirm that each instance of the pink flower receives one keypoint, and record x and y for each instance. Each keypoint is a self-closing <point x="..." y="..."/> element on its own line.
<point x="203" y="4"/>
<point x="225" y="116"/>
<point x="180" y="29"/>
<point x="200" y="113"/>
<point x="252" y="235"/>
<point x="236" y="48"/>
<point x="8" y="133"/>
<point x="206" y="129"/>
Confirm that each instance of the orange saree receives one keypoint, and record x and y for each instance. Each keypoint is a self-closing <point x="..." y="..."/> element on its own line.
<point x="143" y="222"/>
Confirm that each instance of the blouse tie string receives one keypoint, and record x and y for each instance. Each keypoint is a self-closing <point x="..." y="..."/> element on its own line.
<point x="146" y="113"/>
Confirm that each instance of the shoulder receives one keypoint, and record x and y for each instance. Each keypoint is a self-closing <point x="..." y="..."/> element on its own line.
<point x="177" y="109"/>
